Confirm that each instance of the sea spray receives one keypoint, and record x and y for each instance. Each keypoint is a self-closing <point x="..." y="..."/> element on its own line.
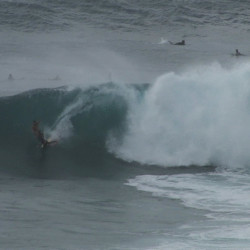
<point x="63" y="127"/>
<point x="200" y="117"/>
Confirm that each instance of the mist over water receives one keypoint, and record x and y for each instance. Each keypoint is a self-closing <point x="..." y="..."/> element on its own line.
<point x="50" y="60"/>
<point x="86" y="43"/>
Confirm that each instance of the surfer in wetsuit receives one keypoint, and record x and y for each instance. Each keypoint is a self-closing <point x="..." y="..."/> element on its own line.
<point x="39" y="134"/>
<point x="179" y="43"/>
<point x="237" y="53"/>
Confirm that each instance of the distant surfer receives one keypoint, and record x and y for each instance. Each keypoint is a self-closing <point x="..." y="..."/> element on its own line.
<point x="40" y="136"/>
<point x="179" y="43"/>
<point x="10" y="77"/>
<point x="237" y="53"/>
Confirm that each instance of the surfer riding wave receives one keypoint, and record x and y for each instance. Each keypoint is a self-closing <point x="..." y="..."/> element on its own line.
<point x="40" y="136"/>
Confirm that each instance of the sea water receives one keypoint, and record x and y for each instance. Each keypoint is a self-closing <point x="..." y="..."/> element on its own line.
<point x="153" y="139"/>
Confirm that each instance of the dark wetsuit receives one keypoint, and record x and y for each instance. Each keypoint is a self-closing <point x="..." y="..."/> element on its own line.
<point x="38" y="133"/>
<point x="40" y="137"/>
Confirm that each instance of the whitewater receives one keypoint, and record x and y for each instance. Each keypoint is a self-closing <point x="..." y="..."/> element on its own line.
<point x="153" y="139"/>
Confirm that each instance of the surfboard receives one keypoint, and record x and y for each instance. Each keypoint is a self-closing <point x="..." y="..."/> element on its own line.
<point x="50" y="142"/>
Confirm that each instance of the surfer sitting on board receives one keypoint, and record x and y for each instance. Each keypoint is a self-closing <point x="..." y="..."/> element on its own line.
<point x="40" y="136"/>
<point x="237" y="53"/>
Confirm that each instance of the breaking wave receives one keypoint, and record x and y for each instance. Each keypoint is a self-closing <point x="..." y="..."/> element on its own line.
<point x="199" y="117"/>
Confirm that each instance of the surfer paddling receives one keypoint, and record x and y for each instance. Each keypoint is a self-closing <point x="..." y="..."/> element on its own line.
<point x="179" y="43"/>
<point x="40" y="136"/>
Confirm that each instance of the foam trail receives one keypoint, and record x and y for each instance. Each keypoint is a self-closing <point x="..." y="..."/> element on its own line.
<point x="198" y="117"/>
<point x="62" y="128"/>
<point x="163" y="41"/>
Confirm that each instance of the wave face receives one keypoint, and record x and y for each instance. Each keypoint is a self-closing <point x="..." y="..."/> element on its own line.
<point x="81" y="120"/>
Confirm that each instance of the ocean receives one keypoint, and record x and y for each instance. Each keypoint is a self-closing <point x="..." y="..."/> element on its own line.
<point x="153" y="139"/>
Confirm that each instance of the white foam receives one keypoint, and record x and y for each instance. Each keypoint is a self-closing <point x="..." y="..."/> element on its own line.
<point x="163" y="41"/>
<point x="197" y="117"/>
<point x="227" y="193"/>
<point x="224" y="197"/>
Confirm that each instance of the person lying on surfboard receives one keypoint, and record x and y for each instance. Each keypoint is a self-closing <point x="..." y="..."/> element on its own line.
<point x="40" y="136"/>
<point x="179" y="43"/>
